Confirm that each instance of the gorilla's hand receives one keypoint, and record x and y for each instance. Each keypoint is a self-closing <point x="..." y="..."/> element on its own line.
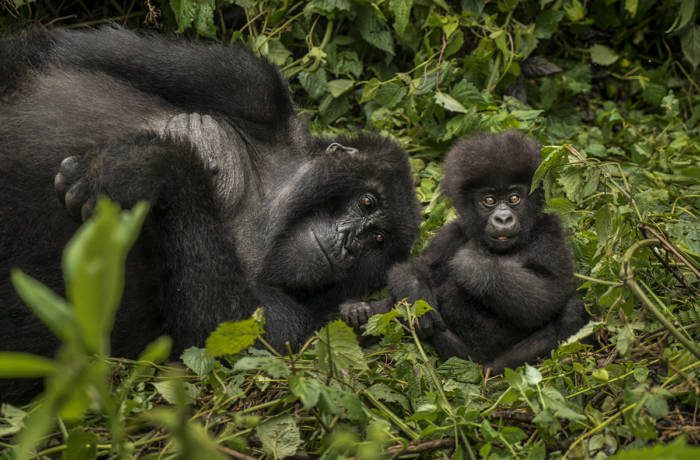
<point x="355" y="313"/>
<point x="74" y="187"/>
<point x="430" y="324"/>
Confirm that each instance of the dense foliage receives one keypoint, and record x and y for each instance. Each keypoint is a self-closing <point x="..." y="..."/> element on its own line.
<point x="611" y="90"/>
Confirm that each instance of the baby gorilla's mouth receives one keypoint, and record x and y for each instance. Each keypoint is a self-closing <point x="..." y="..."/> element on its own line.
<point x="502" y="238"/>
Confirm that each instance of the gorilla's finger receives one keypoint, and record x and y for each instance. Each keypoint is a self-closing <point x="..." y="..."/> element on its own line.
<point x="87" y="209"/>
<point x="75" y="198"/>
<point x="60" y="186"/>
<point x="70" y="168"/>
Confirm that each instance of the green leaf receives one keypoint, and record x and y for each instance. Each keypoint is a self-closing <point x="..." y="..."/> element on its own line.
<point x="337" y="348"/>
<point x="382" y="392"/>
<point x="197" y="13"/>
<point x="602" y="55"/>
<point x="342" y="403"/>
<point x="275" y="367"/>
<point x="315" y="83"/>
<point x="157" y="351"/>
<point x="631" y="7"/>
<point x="308" y="390"/>
<point x="449" y="103"/>
<point x="13" y="417"/>
<point x="676" y="450"/>
<point x="51" y="309"/>
<point x="690" y="44"/>
<point x="279" y="436"/>
<point x="380" y="324"/>
<point x="374" y="31"/>
<point x="460" y="370"/>
<point x="685" y="14"/>
<point x="93" y="267"/>
<point x="80" y="445"/>
<point x="25" y="365"/>
<point x="233" y="337"/>
<point x="532" y="375"/>
<point x="339" y="87"/>
<point x="172" y="390"/>
<point x="552" y="157"/>
<point x="401" y="9"/>
<point x="198" y="361"/>
<point x="329" y="8"/>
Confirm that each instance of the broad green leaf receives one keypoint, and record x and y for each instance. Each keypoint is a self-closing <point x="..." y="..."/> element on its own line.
<point x="460" y="370"/>
<point x="602" y="55"/>
<point x="328" y="8"/>
<point x="383" y="392"/>
<point x="315" y="83"/>
<point x="157" y="351"/>
<point x="373" y="30"/>
<point x="401" y="9"/>
<point x="25" y="365"/>
<point x="337" y="348"/>
<point x="13" y="418"/>
<point x="631" y="7"/>
<point x="275" y="367"/>
<point x="197" y="13"/>
<point x="307" y="389"/>
<point x="380" y="324"/>
<point x="233" y="337"/>
<point x="690" y="44"/>
<point x="198" y="361"/>
<point x="449" y="103"/>
<point x="280" y="436"/>
<point x="51" y="309"/>
<point x="685" y="14"/>
<point x="80" y="445"/>
<point x="172" y="390"/>
<point x="339" y="87"/>
<point x="676" y="450"/>
<point x="342" y="403"/>
<point x="552" y="157"/>
<point x="93" y="267"/>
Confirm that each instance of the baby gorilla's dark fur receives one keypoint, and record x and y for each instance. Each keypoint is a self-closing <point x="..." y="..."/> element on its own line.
<point x="501" y="275"/>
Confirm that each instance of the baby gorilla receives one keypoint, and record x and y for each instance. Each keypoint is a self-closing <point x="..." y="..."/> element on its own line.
<point x="501" y="275"/>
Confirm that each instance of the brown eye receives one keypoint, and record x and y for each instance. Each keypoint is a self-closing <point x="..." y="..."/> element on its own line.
<point x="379" y="238"/>
<point x="513" y="198"/>
<point x="367" y="201"/>
<point x="489" y="201"/>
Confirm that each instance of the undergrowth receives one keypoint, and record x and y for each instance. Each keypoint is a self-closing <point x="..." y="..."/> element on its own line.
<point x="610" y="88"/>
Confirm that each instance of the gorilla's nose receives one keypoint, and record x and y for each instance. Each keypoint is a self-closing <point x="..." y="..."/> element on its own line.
<point x="503" y="219"/>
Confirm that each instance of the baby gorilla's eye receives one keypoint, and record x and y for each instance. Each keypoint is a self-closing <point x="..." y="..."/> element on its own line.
<point x="379" y="238"/>
<point x="489" y="201"/>
<point x="367" y="201"/>
<point x="513" y="198"/>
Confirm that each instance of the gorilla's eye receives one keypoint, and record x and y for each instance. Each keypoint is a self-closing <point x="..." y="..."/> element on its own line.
<point x="489" y="201"/>
<point x="379" y="238"/>
<point x="367" y="201"/>
<point x="513" y="198"/>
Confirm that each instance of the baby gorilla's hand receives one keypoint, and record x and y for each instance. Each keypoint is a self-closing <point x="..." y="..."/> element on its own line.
<point x="355" y="314"/>
<point x="74" y="187"/>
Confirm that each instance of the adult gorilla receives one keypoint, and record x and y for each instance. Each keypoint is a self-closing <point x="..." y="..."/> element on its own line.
<point x="248" y="208"/>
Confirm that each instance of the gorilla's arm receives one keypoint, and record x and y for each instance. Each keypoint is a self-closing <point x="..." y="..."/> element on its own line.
<point x="521" y="287"/>
<point x="572" y="318"/>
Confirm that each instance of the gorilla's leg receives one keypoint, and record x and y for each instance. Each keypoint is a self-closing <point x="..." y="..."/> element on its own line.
<point x="570" y="320"/>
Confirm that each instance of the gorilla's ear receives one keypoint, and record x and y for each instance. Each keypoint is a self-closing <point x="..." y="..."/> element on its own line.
<point x="334" y="147"/>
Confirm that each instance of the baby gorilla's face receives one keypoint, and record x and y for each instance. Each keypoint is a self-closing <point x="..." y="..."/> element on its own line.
<point x="502" y="214"/>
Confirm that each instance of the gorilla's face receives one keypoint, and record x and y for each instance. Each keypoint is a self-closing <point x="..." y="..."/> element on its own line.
<point x="343" y="219"/>
<point x="505" y="215"/>
<point x="331" y="242"/>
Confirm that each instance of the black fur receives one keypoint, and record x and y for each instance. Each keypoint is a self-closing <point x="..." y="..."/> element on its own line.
<point x="248" y="209"/>
<point x="501" y="275"/>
